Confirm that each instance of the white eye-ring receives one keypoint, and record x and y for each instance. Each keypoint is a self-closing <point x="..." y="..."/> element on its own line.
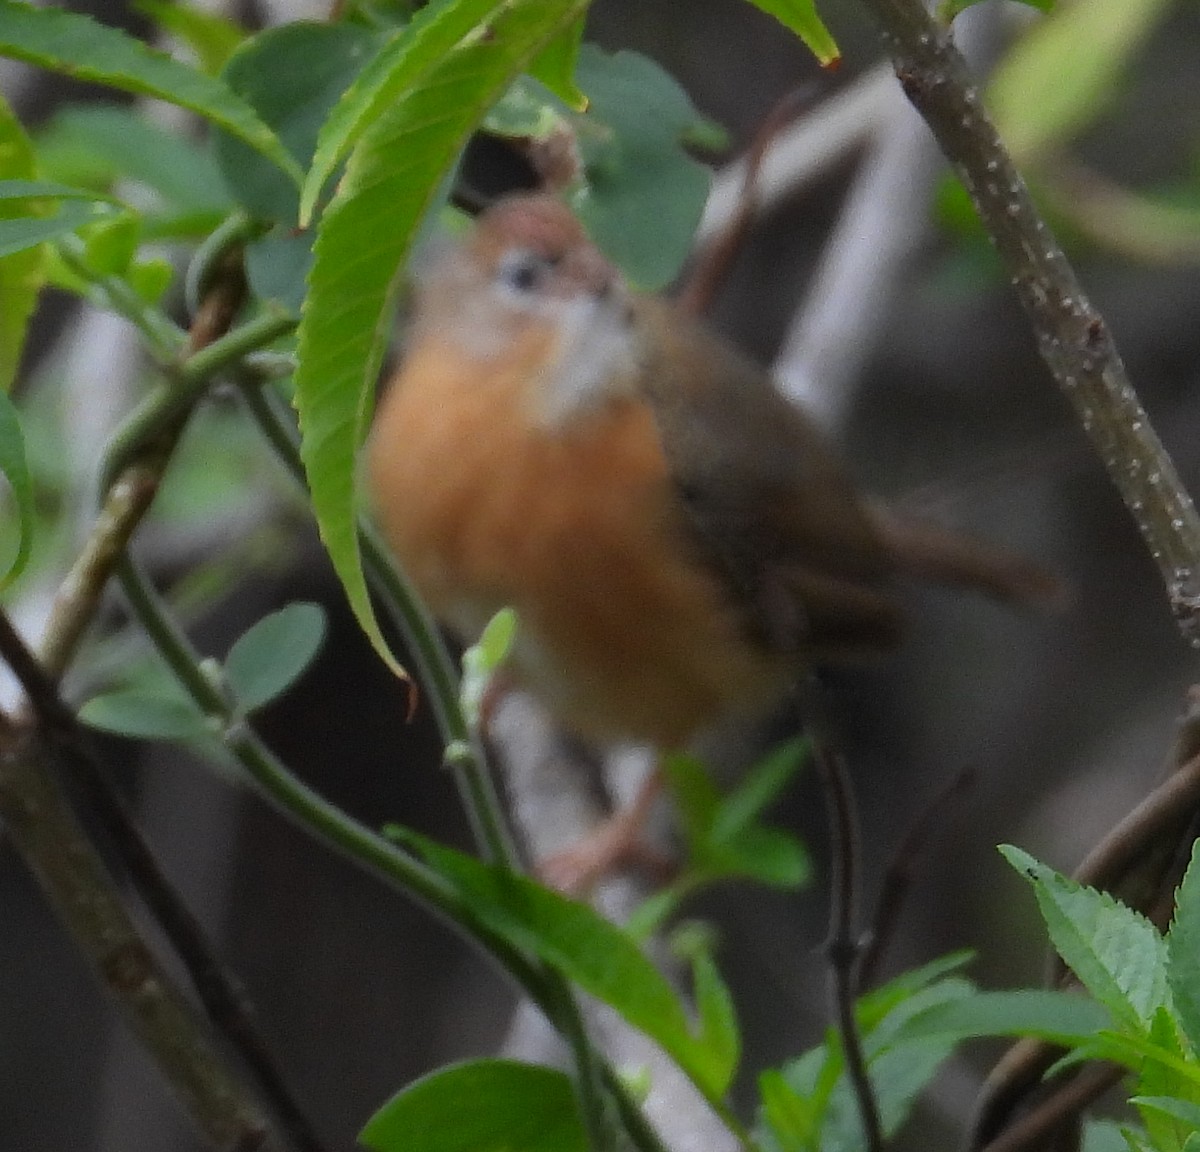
<point x="522" y="271"/>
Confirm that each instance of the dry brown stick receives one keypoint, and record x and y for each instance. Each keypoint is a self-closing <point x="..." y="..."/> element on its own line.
<point x="48" y="837"/>
<point x="1076" y="1094"/>
<point x="1072" y="336"/>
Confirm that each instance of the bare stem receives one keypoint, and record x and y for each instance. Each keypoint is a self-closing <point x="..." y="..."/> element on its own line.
<point x="1072" y="336"/>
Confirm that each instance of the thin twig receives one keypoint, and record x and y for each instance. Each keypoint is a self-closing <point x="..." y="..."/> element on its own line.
<point x="219" y="990"/>
<point x="1072" y="336"/>
<point x="897" y="879"/>
<point x="1061" y="1105"/>
<point x="843" y="944"/>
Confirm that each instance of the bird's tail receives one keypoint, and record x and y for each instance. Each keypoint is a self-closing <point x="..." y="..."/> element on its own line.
<point x="927" y="552"/>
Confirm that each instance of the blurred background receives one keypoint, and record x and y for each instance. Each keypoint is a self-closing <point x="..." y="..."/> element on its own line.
<point x="882" y="307"/>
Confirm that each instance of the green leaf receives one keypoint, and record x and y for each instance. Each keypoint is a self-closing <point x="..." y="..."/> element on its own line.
<point x="1118" y="955"/>
<point x="793" y="1118"/>
<point x="48" y="189"/>
<point x="480" y="1106"/>
<point x="760" y="787"/>
<point x="110" y="245"/>
<point x="1063" y="71"/>
<point x="951" y="8"/>
<point x="77" y="45"/>
<point x="1157" y="1079"/>
<point x="292" y="76"/>
<point x="15" y="467"/>
<point x="391" y="179"/>
<point x="643" y="195"/>
<point x="1057" y="1017"/>
<point x="405" y="63"/>
<point x="95" y="146"/>
<point x="481" y="660"/>
<point x="144" y="715"/>
<point x="26" y="231"/>
<point x="278" y="264"/>
<point x="719" y="1031"/>
<point x="736" y="849"/>
<point x="212" y="37"/>
<point x="1183" y="952"/>
<point x="595" y="954"/>
<point x="270" y="656"/>
<point x="1182" y="1110"/>
<point x="22" y="272"/>
<point x="554" y="66"/>
<point x="801" y="17"/>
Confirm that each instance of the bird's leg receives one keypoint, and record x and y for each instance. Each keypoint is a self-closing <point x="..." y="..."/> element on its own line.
<point x="614" y="843"/>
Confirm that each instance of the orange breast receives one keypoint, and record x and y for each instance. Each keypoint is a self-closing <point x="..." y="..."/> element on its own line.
<point x="622" y="632"/>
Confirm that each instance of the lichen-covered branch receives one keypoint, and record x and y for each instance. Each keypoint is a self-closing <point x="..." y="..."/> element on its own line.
<point x="1072" y="336"/>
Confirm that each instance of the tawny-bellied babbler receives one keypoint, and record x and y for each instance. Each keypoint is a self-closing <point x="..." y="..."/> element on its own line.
<point x="677" y="539"/>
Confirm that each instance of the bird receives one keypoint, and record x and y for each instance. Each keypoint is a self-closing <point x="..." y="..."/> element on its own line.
<point x="677" y="538"/>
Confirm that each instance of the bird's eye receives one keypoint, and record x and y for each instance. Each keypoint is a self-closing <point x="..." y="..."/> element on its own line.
<point x="522" y="271"/>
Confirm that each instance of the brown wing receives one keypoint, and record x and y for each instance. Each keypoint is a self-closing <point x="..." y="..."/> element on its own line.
<point x="767" y="503"/>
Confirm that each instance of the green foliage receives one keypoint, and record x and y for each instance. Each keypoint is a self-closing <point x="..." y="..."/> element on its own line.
<point x="723" y="835"/>
<point x="599" y="957"/>
<point x="483" y="659"/>
<point x="801" y="17"/>
<point x="77" y="45"/>
<point x="808" y="1105"/>
<point x="15" y="469"/>
<point x="391" y="180"/>
<point x="21" y="271"/>
<point x="261" y="665"/>
<point x="480" y="1106"/>
<point x="269" y="657"/>
<point x="1065" y="70"/>
<point x="1141" y="979"/>
<point x="212" y="37"/>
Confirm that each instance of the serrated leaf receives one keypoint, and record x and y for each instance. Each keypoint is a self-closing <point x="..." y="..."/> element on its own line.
<point x="79" y="46"/>
<point x="1183" y="952"/>
<point x="1057" y="1017"/>
<point x="642" y="195"/>
<point x="1182" y="1110"/>
<point x="271" y="655"/>
<point x="391" y="179"/>
<point x="1157" y="1080"/>
<point x="404" y="62"/>
<point x="292" y="76"/>
<point x="143" y="715"/>
<point x="554" y="66"/>
<point x="595" y="954"/>
<point x="22" y="273"/>
<point x="211" y="36"/>
<point x="480" y="1106"/>
<point x="97" y="145"/>
<point x="15" y="468"/>
<point x="1118" y="955"/>
<point x="1062" y="72"/>
<point x="801" y="17"/>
